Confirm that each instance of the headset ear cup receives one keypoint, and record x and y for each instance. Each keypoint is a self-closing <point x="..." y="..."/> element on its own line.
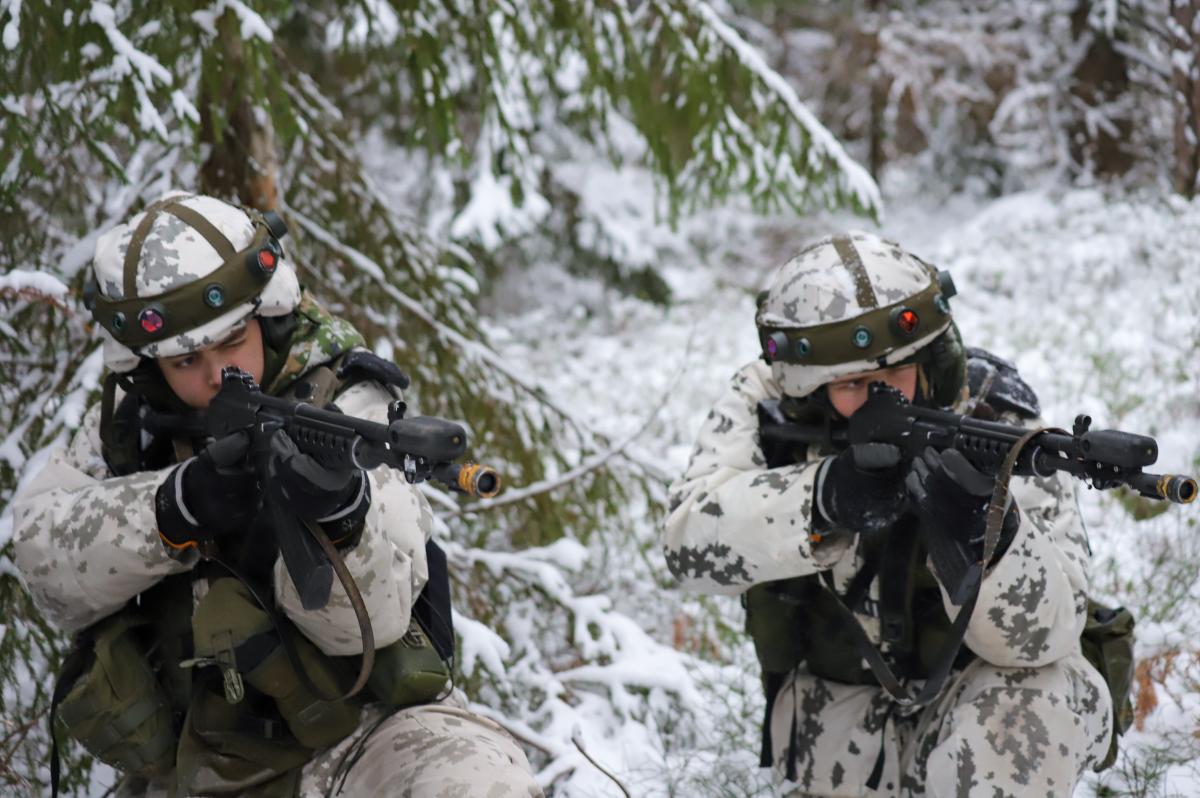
<point x="947" y="369"/>
<point x="951" y="369"/>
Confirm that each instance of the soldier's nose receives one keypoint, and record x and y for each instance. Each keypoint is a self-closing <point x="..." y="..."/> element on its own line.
<point x="214" y="375"/>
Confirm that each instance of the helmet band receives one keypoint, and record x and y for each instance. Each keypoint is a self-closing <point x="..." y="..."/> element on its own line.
<point x="139" y="321"/>
<point x="870" y="336"/>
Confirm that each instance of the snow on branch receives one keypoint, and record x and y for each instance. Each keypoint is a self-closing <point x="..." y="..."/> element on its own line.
<point x="12" y="30"/>
<point x="253" y="26"/>
<point x="570" y="661"/>
<point x="822" y="147"/>
<point x="141" y="68"/>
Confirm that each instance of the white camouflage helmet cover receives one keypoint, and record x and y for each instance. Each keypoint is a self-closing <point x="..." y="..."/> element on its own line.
<point x="841" y="278"/>
<point x="175" y="254"/>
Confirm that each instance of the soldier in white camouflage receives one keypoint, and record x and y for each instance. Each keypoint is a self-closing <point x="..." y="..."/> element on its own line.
<point x="178" y="678"/>
<point x="1021" y="712"/>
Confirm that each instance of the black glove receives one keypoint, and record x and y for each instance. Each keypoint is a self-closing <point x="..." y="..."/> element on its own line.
<point x="336" y="497"/>
<point x="212" y="494"/>
<point x="861" y="489"/>
<point x="951" y="498"/>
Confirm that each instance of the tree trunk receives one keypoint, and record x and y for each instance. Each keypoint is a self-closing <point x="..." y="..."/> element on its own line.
<point x="1100" y="77"/>
<point x="243" y="161"/>
<point x="1185" y="94"/>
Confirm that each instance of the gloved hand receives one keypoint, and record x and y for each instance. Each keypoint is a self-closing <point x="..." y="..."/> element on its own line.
<point x="337" y="498"/>
<point x="207" y="496"/>
<point x="951" y="498"/>
<point x="862" y="488"/>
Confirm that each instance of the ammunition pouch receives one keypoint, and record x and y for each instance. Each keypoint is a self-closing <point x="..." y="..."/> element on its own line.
<point x="237" y="637"/>
<point x="228" y="749"/>
<point x="409" y="671"/>
<point x="109" y="699"/>
<point x="1107" y="643"/>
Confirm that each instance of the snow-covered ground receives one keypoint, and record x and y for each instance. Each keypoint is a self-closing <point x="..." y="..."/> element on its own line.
<point x="1096" y="297"/>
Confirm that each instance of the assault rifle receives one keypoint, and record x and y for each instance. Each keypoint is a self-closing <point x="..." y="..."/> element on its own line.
<point x="422" y="447"/>
<point x="1105" y="458"/>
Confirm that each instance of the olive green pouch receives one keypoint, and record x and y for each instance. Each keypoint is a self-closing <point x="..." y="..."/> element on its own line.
<point x="409" y="671"/>
<point x="1107" y="643"/>
<point x="316" y="723"/>
<point x="230" y="630"/>
<point x="115" y="706"/>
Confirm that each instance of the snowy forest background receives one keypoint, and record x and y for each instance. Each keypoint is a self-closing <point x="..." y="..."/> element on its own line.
<point x="554" y="216"/>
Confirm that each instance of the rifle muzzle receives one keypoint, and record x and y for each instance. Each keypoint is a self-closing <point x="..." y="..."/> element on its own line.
<point x="1171" y="487"/>
<point x="475" y="480"/>
<point x="1181" y="490"/>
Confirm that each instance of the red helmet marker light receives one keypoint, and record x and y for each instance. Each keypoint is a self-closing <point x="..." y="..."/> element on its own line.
<point x="905" y="321"/>
<point x="152" y="320"/>
<point x="267" y="260"/>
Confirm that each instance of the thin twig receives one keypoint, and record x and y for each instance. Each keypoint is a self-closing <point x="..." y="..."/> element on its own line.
<point x="598" y="766"/>
<point x="547" y="485"/>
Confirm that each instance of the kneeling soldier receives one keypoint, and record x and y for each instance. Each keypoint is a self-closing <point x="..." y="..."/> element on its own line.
<point x="872" y="689"/>
<point x="197" y="669"/>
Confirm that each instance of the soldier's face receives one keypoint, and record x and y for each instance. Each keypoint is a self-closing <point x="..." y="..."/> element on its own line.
<point x="196" y="377"/>
<point x="849" y="393"/>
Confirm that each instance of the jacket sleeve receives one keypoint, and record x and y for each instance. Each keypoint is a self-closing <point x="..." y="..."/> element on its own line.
<point x="734" y="522"/>
<point x="1033" y="605"/>
<point x="87" y="542"/>
<point x="388" y="563"/>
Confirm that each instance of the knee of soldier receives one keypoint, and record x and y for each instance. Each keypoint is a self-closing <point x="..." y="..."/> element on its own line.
<point x="1056" y="719"/>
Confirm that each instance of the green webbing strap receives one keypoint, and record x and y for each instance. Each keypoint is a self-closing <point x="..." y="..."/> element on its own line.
<point x="864" y="292"/>
<point x="108" y="399"/>
<point x="72" y="668"/>
<point x="215" y="238"/>
<point x="134" y="253"/>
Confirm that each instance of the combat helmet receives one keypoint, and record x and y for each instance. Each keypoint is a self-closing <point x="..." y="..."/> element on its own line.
<point x="184" y="273"/>
<point x="855" y="302"/>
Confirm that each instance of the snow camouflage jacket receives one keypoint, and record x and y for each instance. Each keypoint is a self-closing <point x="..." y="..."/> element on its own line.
<point x="734" y="523"/>
<point x="87" y="541"/>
